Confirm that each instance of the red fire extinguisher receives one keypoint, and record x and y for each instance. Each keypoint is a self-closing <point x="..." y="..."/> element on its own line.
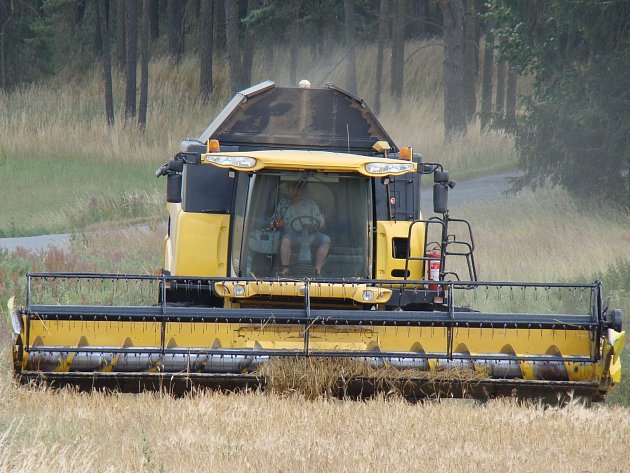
<point x="434" y="266"/>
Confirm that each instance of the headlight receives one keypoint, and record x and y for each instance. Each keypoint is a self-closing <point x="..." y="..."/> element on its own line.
<point x="388" y="168"/>
<point x="16" y="322"/>
<point x="368" y="296"/>
<point x="230" y="161"/>
<point x="16" y="316"/>
<point x="239" y="290"/>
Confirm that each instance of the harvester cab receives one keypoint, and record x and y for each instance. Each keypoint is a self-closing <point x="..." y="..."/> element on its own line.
<point x="302" y="183"/>
<point x="295" y="232"/>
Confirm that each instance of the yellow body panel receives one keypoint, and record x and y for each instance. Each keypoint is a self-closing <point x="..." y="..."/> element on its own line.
<point x="385" y="261"/>
<point x="296" y="289"/>
<point x="198" y="246"/>
<point x="616" y="341"/>
<point x="291" y="337"/>
<point x="321" y="161"/>
<point x="82" y="333"/>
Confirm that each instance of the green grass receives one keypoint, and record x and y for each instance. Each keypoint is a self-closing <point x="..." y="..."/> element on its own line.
<point x="42" y="195"/>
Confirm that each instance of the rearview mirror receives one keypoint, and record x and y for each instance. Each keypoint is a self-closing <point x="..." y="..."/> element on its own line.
<point x="440" y="198"/>
<point x="440" y="176"/>
<point x="174" y="188"/>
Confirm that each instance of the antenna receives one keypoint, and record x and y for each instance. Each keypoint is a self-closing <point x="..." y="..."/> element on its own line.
<point x="348" y="135"/>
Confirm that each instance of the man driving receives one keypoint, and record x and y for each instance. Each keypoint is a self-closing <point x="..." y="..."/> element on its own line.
<point x="294" y="216"/>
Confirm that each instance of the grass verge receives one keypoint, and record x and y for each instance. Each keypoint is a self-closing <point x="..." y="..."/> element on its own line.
<point x="56" y="195"/>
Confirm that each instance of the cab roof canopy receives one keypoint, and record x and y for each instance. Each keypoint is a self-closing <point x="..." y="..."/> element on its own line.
<point x="266" y="116"/>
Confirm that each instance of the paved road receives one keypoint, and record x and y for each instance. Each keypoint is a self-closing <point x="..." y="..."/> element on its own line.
<point x="472" y="191"/>
<point x="59" y="240"/>
<point x="36" y="243"/>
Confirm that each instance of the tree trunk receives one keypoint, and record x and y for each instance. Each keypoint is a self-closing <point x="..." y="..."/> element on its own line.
<point x="328" y="39"/>
<point x="121" y="49"/>
<point x="480" y="9"/>
<point x="130" y="91"/>
<point x="144" y="63"/>
<point x="79" y="12"/>
<point x="98" y="39"/>
<point x="499" y="103"/>
<point x="420" y="12"/>
<point x="382" y="38"/>
<point x="205" y="49"/>
<point x="453" y="21"/>
<point x="486" y="84"/>
<point x="471" y="51"/>
<point x="3" y="61"/>
<point x="154" y="18"/>
<point x="175" y="30"/>
<point x="219" y="26"/>
<point x="249" y="46"/>
<point x="398" y="49"/>
<point x="4" y="32"/>
<point x="351" y="60"/>
<point x="233" y="47"/>
<point x="268" y="55"/>
<point x="107" y="64"/>
<point x="315" y="44"/>
<point x="293" y="52"/>
<point x="510" y="101"/>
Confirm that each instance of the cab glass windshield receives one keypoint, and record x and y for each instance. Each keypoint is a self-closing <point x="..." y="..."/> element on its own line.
<point x="307" y="224"/>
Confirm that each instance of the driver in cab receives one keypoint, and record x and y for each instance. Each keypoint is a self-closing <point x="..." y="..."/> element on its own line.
<point x="294" y="216"/>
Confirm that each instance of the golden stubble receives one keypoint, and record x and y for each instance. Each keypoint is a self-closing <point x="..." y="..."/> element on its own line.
<point x="54" y="431"/>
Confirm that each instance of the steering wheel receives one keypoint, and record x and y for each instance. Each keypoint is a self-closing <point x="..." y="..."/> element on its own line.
<point x="299" y="223"/>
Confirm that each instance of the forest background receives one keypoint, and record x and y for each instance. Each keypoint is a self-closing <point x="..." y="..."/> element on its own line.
<point x="572" y="127"/>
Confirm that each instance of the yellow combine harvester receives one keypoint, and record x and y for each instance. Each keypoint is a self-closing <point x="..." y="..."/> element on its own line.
<point x="294" y="231"/>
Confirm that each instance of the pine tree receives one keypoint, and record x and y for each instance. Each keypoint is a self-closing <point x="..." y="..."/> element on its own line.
<point x="453" y="19"/>
<point x="107" y="64"/>
<point x="130" y="89"/>
<point x="144" y="63"/>
<point x="205" y="49"/>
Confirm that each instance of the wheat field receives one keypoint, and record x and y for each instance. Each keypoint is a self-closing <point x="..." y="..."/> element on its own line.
<point x="67" y="431"/>
<point x="546" y="236"/>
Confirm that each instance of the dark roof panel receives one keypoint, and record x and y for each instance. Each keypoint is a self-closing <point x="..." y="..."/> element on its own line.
<point x="270" y="117"/>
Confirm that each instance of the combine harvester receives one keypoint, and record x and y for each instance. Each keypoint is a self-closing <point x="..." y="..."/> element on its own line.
<point x="295" y="232"/>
